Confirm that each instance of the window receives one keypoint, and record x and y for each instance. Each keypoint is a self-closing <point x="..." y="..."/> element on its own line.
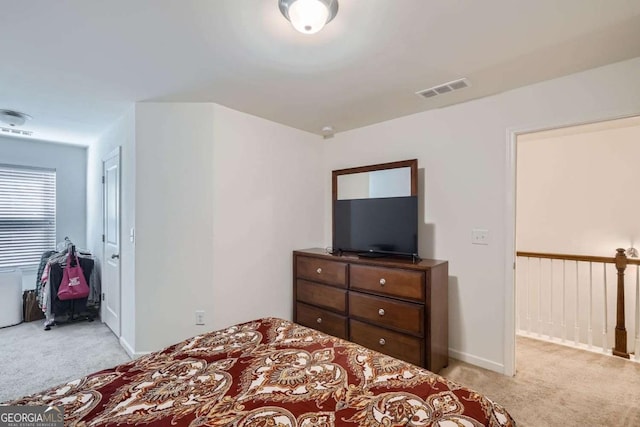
<point x="27" y="215"/>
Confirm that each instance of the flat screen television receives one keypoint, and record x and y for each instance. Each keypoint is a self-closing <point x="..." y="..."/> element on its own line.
<point x="376" y="226"/>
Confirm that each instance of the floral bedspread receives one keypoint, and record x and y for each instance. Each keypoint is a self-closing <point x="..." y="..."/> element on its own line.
<point x="269" y="372"/>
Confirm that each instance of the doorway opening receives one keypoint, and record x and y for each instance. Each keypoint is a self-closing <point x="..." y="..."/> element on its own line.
<point x="577" y="280"/>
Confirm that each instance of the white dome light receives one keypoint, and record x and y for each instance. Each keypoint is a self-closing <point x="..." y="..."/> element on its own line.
<point x="309" y="16"/>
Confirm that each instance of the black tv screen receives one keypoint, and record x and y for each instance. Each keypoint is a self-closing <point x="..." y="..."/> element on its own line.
<point x="385" y="225"/>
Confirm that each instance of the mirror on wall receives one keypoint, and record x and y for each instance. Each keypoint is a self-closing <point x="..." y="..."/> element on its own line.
<point x="395" y="179"/>
<point x="375" y="184"/>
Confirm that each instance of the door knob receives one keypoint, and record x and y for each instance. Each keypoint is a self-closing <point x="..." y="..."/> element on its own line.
<point x="115" y="256"/>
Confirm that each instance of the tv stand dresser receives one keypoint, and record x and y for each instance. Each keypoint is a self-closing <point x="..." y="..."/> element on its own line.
<point x="393" y="306"/>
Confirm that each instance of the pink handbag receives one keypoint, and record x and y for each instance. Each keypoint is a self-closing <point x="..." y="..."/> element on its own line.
<point x="73" y="285"/>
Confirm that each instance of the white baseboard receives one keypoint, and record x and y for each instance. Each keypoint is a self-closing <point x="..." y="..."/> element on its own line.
<point x="477" y="361"/>
<point x="130" y="351"/>
<point x="124" y="344"/>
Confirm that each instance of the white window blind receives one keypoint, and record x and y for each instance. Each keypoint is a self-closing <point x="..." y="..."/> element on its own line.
<point x="27" y="215"/>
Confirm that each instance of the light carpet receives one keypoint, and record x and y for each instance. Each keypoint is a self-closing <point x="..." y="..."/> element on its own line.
<point x="557" y="385"/>
<point x="32" y="359"/>
<point x="554" y="385"/>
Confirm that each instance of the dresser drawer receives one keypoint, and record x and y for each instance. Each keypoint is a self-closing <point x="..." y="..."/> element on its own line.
<point x="402" y="316"/>
<point x="319" y="270"/>
<point x="394" y="344"/>
<point x="321" y="295"/>
<point x="388" y="281"/>
<point x="321" y="320"/>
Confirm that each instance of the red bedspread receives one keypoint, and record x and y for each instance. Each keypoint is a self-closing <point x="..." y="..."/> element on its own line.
<point x="269" y="372"/>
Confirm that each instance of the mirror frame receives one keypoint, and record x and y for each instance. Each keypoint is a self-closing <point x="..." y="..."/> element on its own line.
<point x="413" y="164"/>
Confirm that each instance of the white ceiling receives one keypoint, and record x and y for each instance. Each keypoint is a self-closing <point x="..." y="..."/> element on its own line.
<point x="76" y="65"/>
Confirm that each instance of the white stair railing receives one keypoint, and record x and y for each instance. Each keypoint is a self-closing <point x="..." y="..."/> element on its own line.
<point x="543" y="304"/>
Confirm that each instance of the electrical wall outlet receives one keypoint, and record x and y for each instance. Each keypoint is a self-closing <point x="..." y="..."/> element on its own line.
<point x="479" y="236"/>
<point x="199" y="317"/>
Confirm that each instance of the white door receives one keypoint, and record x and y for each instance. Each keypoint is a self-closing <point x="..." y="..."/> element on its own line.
<point x="111" y="239"/>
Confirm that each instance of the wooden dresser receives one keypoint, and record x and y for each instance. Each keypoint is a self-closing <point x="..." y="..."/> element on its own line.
<point x="392" y="306"/>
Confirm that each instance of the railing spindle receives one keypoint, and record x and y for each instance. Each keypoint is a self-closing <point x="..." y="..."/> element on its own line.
<point x="550" y="331"/>
<point x="518" y="292"/>
<point x="590" y="318"/>
<point x="576" y="326"/>
<point x="605" y="334"/>
<point x="527" y="294"/>
<point x="540" y="296"/>
<point x="564" y="308"/>
<point x="518" y="295"/>
<point x="637" y="346"/>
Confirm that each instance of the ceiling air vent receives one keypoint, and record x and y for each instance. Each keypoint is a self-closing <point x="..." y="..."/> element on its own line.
<point x="8" y="131"/>
<point x="444" y="88"/>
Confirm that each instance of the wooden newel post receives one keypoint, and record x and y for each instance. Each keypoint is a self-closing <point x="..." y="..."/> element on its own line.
<point x="620" y="348"/>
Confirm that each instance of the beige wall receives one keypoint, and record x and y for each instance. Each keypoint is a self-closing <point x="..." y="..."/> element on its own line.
<point x="120" y="134"/>
<point x="267" y="198"/>
<point x="280" y="174"/>
<point x="174" y="220"/>
<point x="575" y="191"/>
<point x="463" y="158"/>
<point x="222" y="199"/>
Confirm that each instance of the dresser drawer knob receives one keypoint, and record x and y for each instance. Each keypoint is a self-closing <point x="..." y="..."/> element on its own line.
<point x="319" y="320"/>
<point x="382" y="282"/>
<point x="381" y="312"/>
<point x="382" y="341"/>
<point x="319" y="270"/>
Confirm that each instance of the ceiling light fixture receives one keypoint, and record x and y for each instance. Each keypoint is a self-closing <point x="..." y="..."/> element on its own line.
<point x="308" y="16"/>
<point x="13" y="118"/>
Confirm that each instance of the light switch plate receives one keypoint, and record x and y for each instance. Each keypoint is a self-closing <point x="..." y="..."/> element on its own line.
<point x="480" y="236"/>
<point x="199" y="317"/>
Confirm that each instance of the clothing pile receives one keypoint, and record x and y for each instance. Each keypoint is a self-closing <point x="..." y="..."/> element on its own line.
<point x="49" y="279"/>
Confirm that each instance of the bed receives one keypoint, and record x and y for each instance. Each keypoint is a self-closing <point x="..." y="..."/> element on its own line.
<point x="269" y="372"/>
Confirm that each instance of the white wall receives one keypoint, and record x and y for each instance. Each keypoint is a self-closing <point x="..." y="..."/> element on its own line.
<point x="268" y="201"/>
<point x="121" y="133"/>
<point x="70" y="162"/>
<point x="575" y="190"/>
<point x="222" y="198"/>
<point x="463" y="151"/>
<point x="174" y="217"/>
